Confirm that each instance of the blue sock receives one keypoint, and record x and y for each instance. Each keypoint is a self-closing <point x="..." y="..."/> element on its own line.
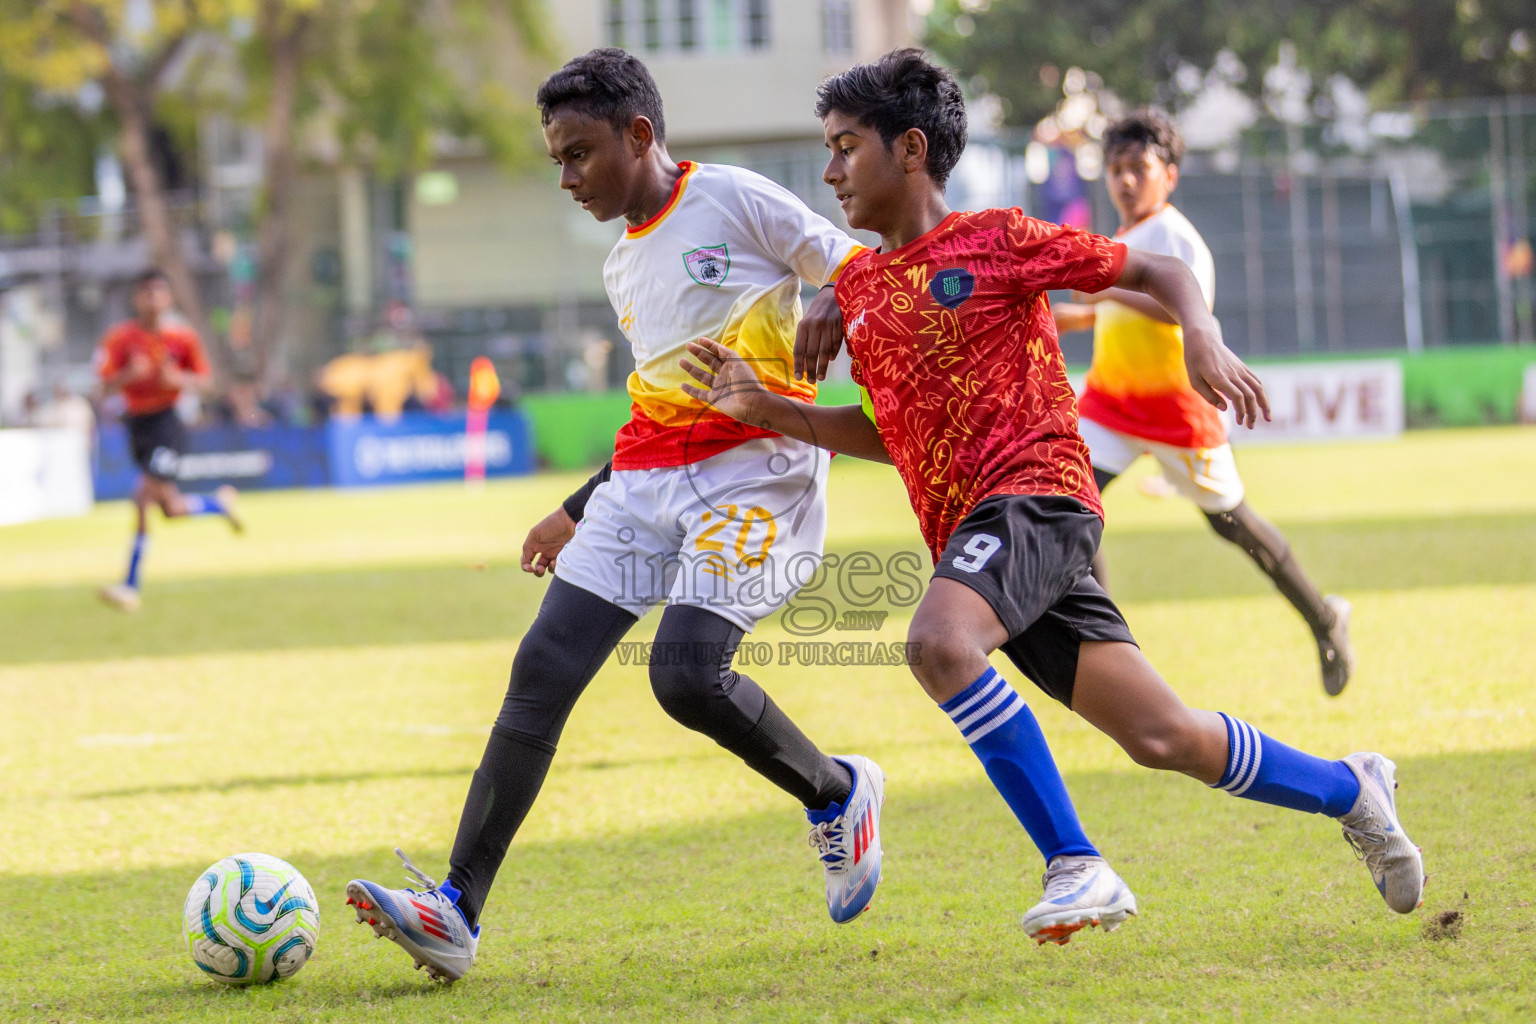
<point x="203" y="505"/>
<point x="450" y="890"/>
<point x="1003" y="733"/>
<point x="1266" y="770"/>
<point x="135" y="559"/>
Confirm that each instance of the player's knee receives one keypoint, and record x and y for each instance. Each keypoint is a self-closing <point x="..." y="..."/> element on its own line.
<point x="1165" y="746"/>
<point x="942" y="659"/>
<point x="686" y="686"/>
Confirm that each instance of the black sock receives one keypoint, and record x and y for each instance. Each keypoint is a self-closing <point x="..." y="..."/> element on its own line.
<point x="572" y="636"/>
<point x="509" y="778"/>
<point x="1267" y="547"/>
<point x="778" y="751"/>
<point x="692" y="677"/>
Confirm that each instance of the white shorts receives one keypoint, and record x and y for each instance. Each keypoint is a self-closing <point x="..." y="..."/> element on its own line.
<point x="1206" y="476"/>
<point x="738" y="533"/>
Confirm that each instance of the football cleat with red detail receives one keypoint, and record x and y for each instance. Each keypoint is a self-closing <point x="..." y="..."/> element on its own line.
<point x="847" y="838"/>
<point x="1079" y="892"/>
<point x="428" y="925"/>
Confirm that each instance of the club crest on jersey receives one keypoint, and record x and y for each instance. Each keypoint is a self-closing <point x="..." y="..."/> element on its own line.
<point x="951" y="287"/>
<point x="708" y="264"/>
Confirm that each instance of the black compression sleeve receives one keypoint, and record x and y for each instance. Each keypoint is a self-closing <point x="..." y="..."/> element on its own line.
<point x="576" y="505"/>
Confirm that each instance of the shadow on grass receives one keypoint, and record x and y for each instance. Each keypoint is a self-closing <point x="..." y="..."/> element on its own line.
<point x="1255" y="908"/>
<point x="454" y="603"/>
<point x="1363" y="555"/>
<point x="265" y="782"/>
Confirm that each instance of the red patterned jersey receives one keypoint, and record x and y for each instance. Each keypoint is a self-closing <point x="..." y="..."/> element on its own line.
<point x="952" y="337"/>
<point x="171" y="345"/>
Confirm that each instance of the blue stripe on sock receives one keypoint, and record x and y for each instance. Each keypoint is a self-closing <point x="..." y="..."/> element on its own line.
<point x="1010" y="704"/>
<point x="967" y="698"/>
<point x="1264" y="769"/>
<point x="135" y="559"/>
<point x="1005" y="737"/>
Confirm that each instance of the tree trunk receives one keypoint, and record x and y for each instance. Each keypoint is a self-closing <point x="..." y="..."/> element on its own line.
<point x="131" y="100"/>
<point x="286" y="49"/>
<point x="154" y="211"/>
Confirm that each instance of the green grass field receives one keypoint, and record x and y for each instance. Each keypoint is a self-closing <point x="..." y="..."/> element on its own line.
<point x="321" y="688"/>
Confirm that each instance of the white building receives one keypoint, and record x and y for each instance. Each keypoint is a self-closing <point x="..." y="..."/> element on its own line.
<point x="509" y="265"/>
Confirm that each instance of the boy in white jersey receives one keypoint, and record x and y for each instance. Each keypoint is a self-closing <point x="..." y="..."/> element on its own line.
<point x="1137" y="397"/>
<point x="717" y="521"/>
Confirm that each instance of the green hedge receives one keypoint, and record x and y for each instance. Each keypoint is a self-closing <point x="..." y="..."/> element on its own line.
<point x="1463" y="387"/>
<point x="1450" y="387"/>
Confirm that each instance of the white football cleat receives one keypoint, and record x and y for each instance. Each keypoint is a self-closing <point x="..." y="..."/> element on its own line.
<point x="120" y="596"/>
<point x="1079" y="891"/>
<point x="1372" y="828"/>
<point x="847" y="837"/>
<point x="428" y="925"/>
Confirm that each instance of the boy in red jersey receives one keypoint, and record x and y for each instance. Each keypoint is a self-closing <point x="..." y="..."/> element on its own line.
<point x="1137" y="397"/>
<point x="151" y="360"/>
<point x="952" y="339"/>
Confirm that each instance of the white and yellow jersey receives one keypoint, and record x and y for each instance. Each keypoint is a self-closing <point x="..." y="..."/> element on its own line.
<point x="723" y="259"/>
<point x="1137" y="384"/>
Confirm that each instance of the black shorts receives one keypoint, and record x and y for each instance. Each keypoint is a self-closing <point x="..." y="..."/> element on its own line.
<point x="1029" y="555"/>
<point x="157" y="441"/>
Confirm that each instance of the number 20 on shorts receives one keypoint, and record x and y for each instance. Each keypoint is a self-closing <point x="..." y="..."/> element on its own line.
<point x="728" y="515"/>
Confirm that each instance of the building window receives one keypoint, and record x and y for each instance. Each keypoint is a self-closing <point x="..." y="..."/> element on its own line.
<point x="757" y="24"/>
<point x="837" y="26"/>
<point x="650" y="18"/>
<point x="615" y="21"/>
<point x="722" y="25"/>
<point x="688" y="26"/>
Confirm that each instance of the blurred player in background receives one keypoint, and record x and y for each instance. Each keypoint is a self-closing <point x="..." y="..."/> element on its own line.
<point x="1138" y="399"/>
<point x="707" y="250"/>
<point x="951" y="338"/>
<point x="151" y="360"/>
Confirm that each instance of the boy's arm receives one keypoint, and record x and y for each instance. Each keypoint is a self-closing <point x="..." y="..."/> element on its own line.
<point x="728" y="384"/>
<point x="816" y="251"/>
<point x="1073" y="316"/>
<point x="1214" y="372"/>
<point x="819" y="335"/>
<point x="1143" y="304"/>
<point x="551" y="534"/>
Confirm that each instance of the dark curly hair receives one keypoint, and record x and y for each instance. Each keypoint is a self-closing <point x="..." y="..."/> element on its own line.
<point x="607" y="84"/>
<point x="1149" y="129"/>
<point x="899" y="91"/>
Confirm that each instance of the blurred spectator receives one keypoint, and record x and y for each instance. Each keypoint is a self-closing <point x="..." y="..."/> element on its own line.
<point x="66" y="411"/>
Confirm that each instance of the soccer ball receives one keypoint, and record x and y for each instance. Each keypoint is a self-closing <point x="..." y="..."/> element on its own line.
<point x="251" y="918"/>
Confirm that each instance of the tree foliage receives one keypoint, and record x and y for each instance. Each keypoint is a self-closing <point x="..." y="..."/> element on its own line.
<point x="381" y="84"/>
<point x="1396" y="50"/>
<point x="47" y="153"/>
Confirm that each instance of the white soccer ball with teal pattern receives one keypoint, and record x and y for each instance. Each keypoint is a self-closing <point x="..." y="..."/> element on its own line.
<point x="251" y="918"/>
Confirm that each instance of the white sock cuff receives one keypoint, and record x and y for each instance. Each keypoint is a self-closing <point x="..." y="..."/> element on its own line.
<point x="991" y="703"/>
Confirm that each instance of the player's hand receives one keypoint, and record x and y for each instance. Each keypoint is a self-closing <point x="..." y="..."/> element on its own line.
<point x="726" y="381"/>
<point x="1219" y="377"/>
<point x="140" y="367"/>
<point x="172" y="376"/>
<point x="546" y="540"/>
<point x="819" y="338"/>
<point x="1073" y="316"/>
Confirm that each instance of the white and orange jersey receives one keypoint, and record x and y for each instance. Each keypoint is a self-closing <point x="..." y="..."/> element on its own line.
<point x="723" y="259"/>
